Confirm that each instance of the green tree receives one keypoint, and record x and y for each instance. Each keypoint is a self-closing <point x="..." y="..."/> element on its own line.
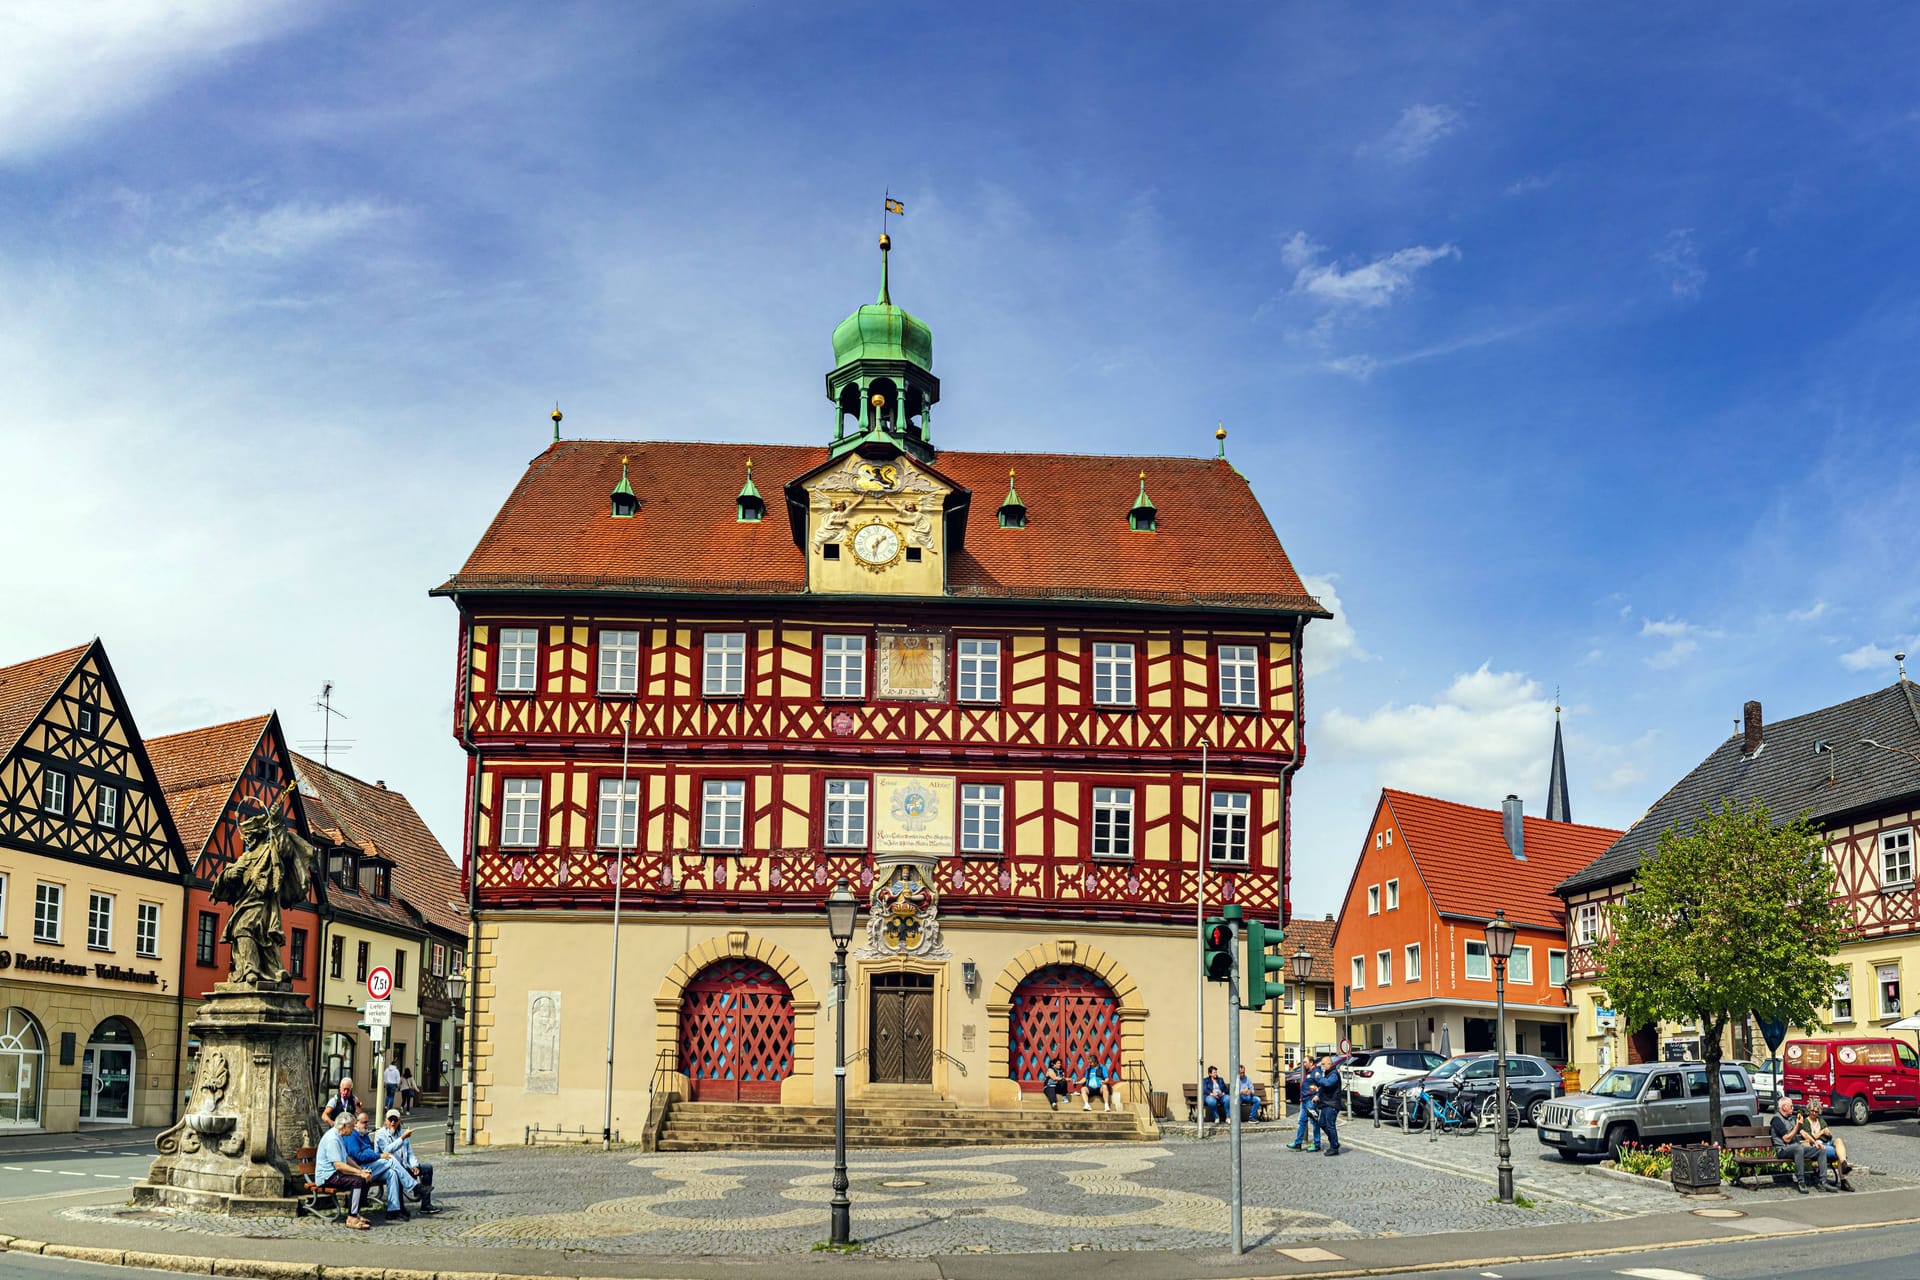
<point x="1735" y="916"/>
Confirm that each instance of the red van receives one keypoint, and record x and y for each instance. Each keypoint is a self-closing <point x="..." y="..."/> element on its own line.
<point x="1852" y="1077"/>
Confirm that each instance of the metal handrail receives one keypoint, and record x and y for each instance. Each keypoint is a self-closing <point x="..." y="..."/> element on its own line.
<point x="951" y="1060"/>
<point x="665" y="1063"/>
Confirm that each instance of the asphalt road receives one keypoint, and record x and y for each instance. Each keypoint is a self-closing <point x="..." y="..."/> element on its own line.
<point x="1875" y="1253"/>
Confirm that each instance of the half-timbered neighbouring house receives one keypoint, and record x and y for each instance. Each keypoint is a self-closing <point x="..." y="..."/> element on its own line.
<point x="214" y="778"/>
<point x="91" y="901"/>
<point x="394" y="900"/>
<point x="741" y="674"/>
<point x="1855" y="769"/>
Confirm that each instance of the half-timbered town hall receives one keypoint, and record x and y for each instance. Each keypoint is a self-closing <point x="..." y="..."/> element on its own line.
<point x="1017" y="701"/>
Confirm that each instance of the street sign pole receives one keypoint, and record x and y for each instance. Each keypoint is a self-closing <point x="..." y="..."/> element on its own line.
<point x="1232" y="913"/>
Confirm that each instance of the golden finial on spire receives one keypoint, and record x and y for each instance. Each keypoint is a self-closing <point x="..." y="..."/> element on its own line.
<point x="556" y="420"/>
<point x="749" y="462"/>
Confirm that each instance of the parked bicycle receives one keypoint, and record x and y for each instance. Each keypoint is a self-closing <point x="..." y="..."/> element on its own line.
<point x="1459" y="1114"/>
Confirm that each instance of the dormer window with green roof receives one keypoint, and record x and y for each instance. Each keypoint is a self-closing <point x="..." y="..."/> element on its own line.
<point x="625" y="504"/>
<point x="1142" y="518"/>
<point x="1013" y="512"/>
<point x="751" y="507"/>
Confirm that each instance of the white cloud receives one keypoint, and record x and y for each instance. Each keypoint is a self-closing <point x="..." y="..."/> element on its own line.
<point x="1361" y="366"/>
<point x="288" y="230"/>
<point x="1817" y="609"/>
<point x="1531" y="183"/>
<point x="1869" y="656"/>
<point x="1370" y="285"/>
<point x="1682" y="640"/>
<point x="1679" y="261"/>
<point x="1415" y="132"/>
<point x="1299" y="250"/>
<point x="65" y="66"/>
<point x="1329" y="642"/>
<point x="1488" y="735"/>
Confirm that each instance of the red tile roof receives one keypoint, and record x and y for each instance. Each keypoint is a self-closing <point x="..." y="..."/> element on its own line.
<point x="1463" y="858"/>
<point x="1318" y="935"/>
<point x="26" y="688"/>
<point x="381" y="822"/>
<point x="1213" y="544"/>
<point x="198" y="770"/>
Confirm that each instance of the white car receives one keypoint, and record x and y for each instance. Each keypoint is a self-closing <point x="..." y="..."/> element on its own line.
<point x="1766" y="1080"/>
<point x="1374" y="1069"/>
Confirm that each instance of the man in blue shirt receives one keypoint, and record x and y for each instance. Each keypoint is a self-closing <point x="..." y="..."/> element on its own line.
<point x="1326" y="1098"/>
<point x="1249" y="1096"/>
<point x="1097" y="1086"/>
<point x="383" y="1169"/>
<point x="397" y="1144"/>
<point x="1213" y="1095"/>
<point x="336" y="1170"/>
<point x="1303" y="1140"/>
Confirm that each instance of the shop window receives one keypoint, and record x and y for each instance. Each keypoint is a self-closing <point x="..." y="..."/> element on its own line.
<point x="1888" y="976"/>
<point x="1843" y="997"/>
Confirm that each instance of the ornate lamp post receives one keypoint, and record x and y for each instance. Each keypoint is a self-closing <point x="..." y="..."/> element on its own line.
<point x="842" y="910"/>
<point x="1300" y="968"/>
<point x="456" y="994"/>
<point x="1500" y="935"/>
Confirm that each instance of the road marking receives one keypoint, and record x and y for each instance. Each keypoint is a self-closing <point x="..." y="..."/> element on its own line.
<point x="1660" y="1273"/>
<point x="71" y="1173"/>
<point x="117" y="1177"/>
<point x="12" y="1168"/>
<point x="1310" y="1255"/>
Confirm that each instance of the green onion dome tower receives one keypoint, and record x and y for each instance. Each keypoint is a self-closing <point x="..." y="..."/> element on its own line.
<point x="882" y="378"/>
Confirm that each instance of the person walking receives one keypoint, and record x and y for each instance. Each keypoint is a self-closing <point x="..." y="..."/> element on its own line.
<point x="408" y="1090"/>
<point x="391" y="1079"/>
<point x="1306" y="1134"/>
<point x="1326" y="1099"/>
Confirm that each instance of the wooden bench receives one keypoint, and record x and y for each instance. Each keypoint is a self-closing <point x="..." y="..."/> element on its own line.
<point x="1753" y="1155"/>
<point x="1191" y="1092"/>
<point x="312" y="1194"/>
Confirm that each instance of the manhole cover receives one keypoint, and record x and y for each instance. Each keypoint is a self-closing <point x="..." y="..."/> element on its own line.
<point x="1718" y="1213"/>
<point x="904" y="1182"/>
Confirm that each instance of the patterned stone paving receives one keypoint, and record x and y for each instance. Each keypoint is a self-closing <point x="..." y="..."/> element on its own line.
<point x="1169" y="1195"/>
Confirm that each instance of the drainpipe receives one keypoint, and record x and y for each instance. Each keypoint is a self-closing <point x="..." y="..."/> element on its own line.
<point x="473" y="858"/>
<point x="1284" y="871"/>
<point x="180" y="1009"/>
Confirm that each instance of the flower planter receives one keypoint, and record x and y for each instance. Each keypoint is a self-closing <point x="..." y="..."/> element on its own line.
<point x="1696" y="1170"/>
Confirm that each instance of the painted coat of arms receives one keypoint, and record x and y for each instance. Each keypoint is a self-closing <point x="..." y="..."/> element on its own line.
<point x="904" y="919"/>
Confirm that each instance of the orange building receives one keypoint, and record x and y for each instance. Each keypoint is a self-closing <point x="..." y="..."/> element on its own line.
<point x="1410" y="949"/>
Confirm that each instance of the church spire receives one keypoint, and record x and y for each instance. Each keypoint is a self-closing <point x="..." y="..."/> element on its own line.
<point x="1558" y="807"/>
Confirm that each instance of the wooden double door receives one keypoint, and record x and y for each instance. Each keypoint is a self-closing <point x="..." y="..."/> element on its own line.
<point x="900" y="1028"/>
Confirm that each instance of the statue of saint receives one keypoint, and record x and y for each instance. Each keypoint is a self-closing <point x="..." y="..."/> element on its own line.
<point x="275" y="869"/>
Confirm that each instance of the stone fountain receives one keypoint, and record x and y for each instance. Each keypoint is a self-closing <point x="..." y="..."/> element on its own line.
<point x="253" y="1102"/>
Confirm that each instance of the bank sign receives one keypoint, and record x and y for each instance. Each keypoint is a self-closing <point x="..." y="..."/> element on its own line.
<point x="21" y="962"/>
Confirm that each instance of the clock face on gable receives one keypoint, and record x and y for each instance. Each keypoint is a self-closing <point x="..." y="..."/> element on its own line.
<point x="877" y="544"/>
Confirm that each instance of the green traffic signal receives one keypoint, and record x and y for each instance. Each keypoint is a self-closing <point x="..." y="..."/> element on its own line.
<point x="1259" y="964"/>
<point x="1216" y="938"/>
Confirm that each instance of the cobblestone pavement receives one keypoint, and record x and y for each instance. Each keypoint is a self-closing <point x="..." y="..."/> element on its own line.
<point x="1167" y="1195"/>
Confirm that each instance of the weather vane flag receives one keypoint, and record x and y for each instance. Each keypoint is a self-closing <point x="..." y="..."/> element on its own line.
<point x="894" y="206"/>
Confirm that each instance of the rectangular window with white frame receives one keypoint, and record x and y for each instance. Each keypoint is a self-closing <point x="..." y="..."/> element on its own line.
<point x="1557" y="968"/>
<point x="1112" y="674"/>
<point x="1373" y="899"/>
<point x="146" y="930"/>
<point x="1520" y="965"/>
<point x="619" y="825"/>
<point x="978" y="669"/>
<point x="1413" y="962"/>
<point x="47" y="901"/>
<point x="723" y="813"/>
<point x="843" y="666"/>
<point x="106" y="807"/>
<point x="439" y="959"/>
<point x="1359" y="973"/>
<point x="1113" y="822"/>
<point x="1478" y="966"/>
<point x="3" y="904"/>
<point x="519" y="660"/>
<point x="1896" y="859"/>
<point x="1586" y="924"/>
<point x="846" y="802"/>
<point x="1393" y="895"/>
<point x="619" y="662"/>
<point x="1239" y="677"/>
<point x="520" y="813"/>
<point x="1232" y="825"/>
<point x="99" y="922"/>
<point x="53" y="791"/>
<point x="1843" y="996"/>
<point x="982" y="818"/>
<point x="724" y="664"/>
<point x="1887" y="979"/>
<point x="1383" y="969"/>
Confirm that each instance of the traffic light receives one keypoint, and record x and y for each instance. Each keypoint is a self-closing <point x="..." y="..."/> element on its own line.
<point x="1216" y="937"/>
<point x="1259" y="964"/>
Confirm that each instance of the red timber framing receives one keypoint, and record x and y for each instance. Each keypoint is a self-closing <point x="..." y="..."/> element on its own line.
<point x="1041" y="740"/>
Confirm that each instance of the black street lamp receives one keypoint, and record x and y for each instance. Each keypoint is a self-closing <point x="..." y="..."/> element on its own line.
<point x="1500" y="936"/>
<point x="456" y="994"/>
<point x="1300" y="968"/>
<point x="842" y="910"/>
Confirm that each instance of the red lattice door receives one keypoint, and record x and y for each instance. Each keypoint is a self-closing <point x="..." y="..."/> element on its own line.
<point x="1062" y="1011"/>
<point x="736" y="1033"/>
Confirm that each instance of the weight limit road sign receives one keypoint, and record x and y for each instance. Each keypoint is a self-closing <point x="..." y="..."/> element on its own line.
<point x="380" y="983"/>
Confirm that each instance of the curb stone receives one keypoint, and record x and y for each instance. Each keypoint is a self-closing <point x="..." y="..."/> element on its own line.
<point x="17" y="1245"/>
<point x="260" y="1269"/>
<point x="170" y="1262"/>
<point x="82" y="1253"/>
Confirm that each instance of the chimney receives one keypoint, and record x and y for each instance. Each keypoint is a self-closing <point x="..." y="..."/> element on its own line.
<point x="1751" y="731"/>
<point x="1510" y="813"/>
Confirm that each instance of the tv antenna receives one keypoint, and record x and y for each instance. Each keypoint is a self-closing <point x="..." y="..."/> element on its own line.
<point x="324" y="705"/>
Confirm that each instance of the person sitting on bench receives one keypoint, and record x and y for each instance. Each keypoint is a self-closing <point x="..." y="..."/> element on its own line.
<point x="1790" y="1141"/>
<point x="1249" y="1096"/>
<point x="397" y="1144"/>
<point x="399" y="1182"/>
<point x="1213" y="1095"/>
<point x="334" y="1170"/>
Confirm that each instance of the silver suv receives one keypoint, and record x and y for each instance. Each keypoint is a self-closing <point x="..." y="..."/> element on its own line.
<point x="1649" y="1101"/>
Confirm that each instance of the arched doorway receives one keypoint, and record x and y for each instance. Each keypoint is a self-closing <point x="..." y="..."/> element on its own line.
<point x="22" y="1064"/>
<point x="1063" y="1011"/>
<point x="107" y="1073"/>
<point x="736" y="1032"/>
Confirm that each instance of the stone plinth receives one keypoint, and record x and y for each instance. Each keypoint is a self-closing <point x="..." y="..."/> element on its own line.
<point x="253" y="1107"/>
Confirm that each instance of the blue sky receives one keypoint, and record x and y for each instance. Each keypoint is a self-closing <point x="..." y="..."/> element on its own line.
<point x="1566" y="347"/>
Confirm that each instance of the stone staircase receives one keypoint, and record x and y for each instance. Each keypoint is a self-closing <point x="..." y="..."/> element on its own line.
<point x="726" y="1126"/>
